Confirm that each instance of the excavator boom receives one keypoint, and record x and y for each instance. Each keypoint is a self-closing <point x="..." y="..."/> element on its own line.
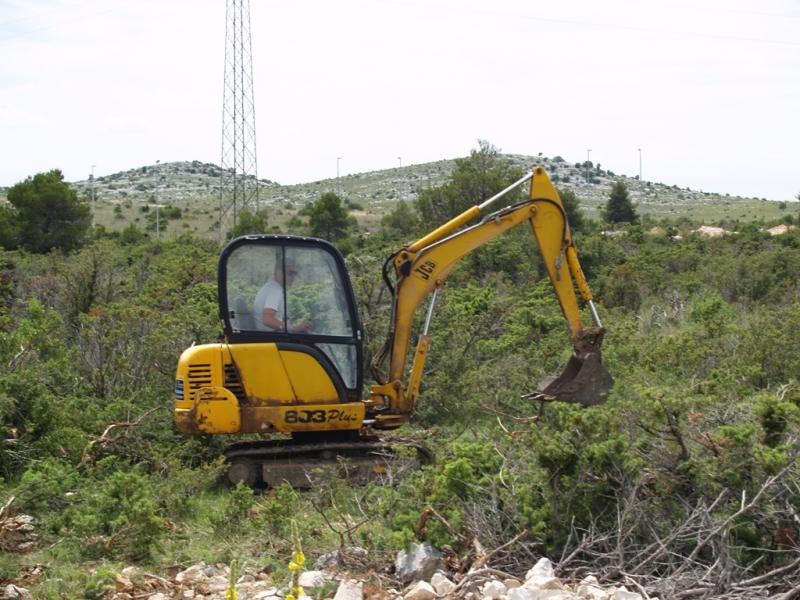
<point x="422" y="267"/>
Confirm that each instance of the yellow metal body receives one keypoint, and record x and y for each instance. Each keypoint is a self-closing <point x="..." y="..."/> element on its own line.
<point x="278" y="391"/>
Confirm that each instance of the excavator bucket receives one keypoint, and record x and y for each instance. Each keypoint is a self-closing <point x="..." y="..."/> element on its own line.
<point x="584" y="381"/>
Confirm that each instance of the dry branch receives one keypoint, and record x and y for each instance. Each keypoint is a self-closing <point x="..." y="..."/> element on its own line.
<point x="482" y="561"/>
<point x="745" y="507"/>
<point x="105" y="437"/>
<point x="423" y="522"/>
<point x="6" y="506"/>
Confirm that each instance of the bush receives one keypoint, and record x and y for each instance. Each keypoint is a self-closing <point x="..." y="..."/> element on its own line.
<point x="117" y="517"/>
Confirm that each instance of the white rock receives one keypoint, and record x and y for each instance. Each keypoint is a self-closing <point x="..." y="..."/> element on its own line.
<point x="314" y="579"/>
<point x="708" y="231"/>
<point x="419" y="563"/>
<point x="193" y="575"/>
<point x="217" y="569"/>
<point x="350" y="590"/>
<point x="543" y="583"/>
<point x="339" y="558"/>
<point x="15" y="592"/>
<point x="122" y="583"/>
<point x="543" y="568"/>
<point x="522" y="593"/>
<point x="217" y="583"/>
<point x="556" y="595"/>
<point x="623" y="594"/>
<point x="187" y="594"/>
<point x="421" y="590"/>
<point x="493" y="590"/>
<point x="511" y="583"/>
<point x="590" y="580"/>
<point x="542" y="577"/>
<point x="131" y="572"/>
<point x="781" y="229"/>
<point x="158" y="596"/>
<point x="270" y="593"/>
<point x="592" y="592"/>
<point x="441" y="584"/>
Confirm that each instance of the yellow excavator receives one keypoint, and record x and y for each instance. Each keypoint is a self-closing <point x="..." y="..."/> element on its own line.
<point x="291" y="358"/>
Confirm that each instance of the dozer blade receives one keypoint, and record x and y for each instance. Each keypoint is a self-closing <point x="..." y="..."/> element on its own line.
<point x="583" y="381"/>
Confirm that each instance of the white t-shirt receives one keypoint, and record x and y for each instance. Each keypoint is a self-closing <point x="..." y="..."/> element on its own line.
<point x="269" y="296"/>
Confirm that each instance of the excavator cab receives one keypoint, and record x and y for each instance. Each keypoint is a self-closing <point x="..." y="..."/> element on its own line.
<point x="303" y="285"/>
<point x="291" y="358"/>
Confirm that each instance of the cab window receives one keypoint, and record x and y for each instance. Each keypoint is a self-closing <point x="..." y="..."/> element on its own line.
<point x="294" y="290"/>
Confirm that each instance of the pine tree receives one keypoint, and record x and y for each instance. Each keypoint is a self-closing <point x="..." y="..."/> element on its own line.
<point x="328" y="218"/>
<point x="251" y="223"/>
<point x="474" y="179"/>
<point x="573" y="209"/>
<point x="48" y="213"/>
<point x="619" y="208"/>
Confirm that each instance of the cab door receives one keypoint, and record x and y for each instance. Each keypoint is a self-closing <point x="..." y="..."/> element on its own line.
<point x="295" y="293"/>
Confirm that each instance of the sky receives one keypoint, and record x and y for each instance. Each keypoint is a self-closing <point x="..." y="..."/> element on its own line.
<point x="708" y="90"/>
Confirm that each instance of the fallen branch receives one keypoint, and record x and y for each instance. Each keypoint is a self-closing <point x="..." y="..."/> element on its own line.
<point x="423" y="522"/>
<point x="6" y="506"/>
<point x="105" y="437"/>
<point x="482" y="561"/>
<point x="790" y="595"/>
<point x="744" y="508"/>
<point x="166" y="582"/>
<point x="761" y="578"/>
<point x="484" y="572"/>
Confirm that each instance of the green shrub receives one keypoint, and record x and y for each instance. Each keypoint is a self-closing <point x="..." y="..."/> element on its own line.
<point x="117" y="517"/>
<point x="235" y="511"/>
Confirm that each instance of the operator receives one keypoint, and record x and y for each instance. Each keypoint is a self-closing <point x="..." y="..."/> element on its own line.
<point x="269" y="308"/>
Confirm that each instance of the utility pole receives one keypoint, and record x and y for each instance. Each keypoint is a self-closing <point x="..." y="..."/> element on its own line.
<point x="158" y="208"/>
<point x="94" y="205"/>
<point x="400" y="162"/>
<point x="338" y="183"/>
<point x="155" y="195"/>
<point x="588" y="155"/>
<point x="640" y="164"/>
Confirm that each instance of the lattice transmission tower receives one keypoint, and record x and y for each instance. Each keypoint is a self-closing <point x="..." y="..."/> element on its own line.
<point x="239" y="181"/>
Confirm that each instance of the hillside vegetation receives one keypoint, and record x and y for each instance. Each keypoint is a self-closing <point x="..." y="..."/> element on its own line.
<point x="685" y="480"/>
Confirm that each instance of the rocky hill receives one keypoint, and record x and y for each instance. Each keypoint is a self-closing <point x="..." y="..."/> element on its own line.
<point x="192" y="187"/>
<point x="182" y="182"/>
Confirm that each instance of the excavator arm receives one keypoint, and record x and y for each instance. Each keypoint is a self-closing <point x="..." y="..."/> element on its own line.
<point x="422" y="267"/>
